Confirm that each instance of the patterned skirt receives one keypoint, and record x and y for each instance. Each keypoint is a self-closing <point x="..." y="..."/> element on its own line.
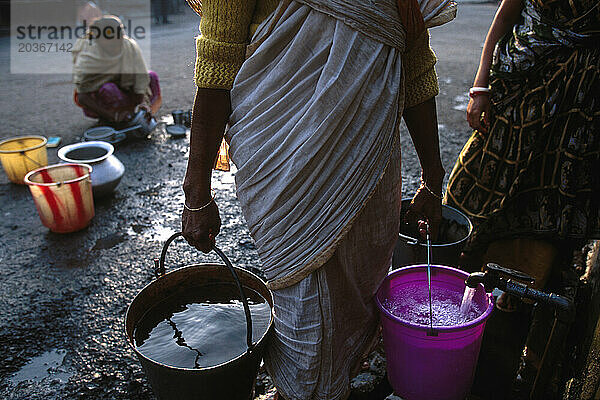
<point x="536" y="172"/>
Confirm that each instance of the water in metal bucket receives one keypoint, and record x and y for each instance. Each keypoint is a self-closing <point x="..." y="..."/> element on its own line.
<point x="231" y="379"/>
<point x="202" y="328"/>
<point x="455" y="231"/>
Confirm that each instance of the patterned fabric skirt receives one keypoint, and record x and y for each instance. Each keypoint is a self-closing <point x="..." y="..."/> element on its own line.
<point x="536" y="172"/>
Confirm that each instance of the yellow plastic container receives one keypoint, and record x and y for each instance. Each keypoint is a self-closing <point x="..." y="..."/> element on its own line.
<point x="63" y="196"/>
<point x="22" y="154"/>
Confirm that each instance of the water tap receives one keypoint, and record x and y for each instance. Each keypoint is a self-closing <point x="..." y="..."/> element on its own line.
<point x="515" y="283"/>
<point x="493" y="276"/>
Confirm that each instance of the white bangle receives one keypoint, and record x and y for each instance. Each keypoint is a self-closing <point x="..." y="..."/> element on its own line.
<point x="476" y="91"/>
<point x="479" y="89"/>
<point x="199" y="208"/>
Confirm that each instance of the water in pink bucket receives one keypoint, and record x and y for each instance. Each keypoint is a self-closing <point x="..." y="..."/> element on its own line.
<point x="439" y="364"/>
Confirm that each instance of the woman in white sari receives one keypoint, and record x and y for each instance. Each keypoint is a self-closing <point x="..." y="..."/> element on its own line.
<point x="313" y="118"/>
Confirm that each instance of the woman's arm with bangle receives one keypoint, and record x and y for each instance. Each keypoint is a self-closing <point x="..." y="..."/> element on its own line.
<point x="200" y="218"/>
<point x="421" y="121"/>
<point x="420" y="116"/>
<point x="220" y="54"/>
<point x="479" y="104"/>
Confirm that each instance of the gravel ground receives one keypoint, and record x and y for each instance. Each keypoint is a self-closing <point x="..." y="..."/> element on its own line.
<point x="64" y="297"/>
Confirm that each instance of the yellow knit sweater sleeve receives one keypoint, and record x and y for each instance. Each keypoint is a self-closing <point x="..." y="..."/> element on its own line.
<point x="221" y="46"/>
<point x="421" y="81"/>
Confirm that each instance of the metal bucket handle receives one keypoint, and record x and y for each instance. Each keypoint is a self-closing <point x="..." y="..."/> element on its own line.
<point x="159" y="266"/>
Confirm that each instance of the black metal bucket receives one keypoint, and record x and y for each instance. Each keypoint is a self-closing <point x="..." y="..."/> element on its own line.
<point x="446" y="251"/>
<point x="231" y="380"/>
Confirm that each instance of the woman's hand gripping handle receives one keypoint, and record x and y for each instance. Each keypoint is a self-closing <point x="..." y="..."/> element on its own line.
<point x="200" y="219"/>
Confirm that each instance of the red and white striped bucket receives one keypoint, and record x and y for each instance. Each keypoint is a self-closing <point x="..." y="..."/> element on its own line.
<point x="63" y="196"/>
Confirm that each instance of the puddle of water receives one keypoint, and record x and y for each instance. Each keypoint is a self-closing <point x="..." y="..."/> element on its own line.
<point x="109" y="241"/>
<point x="48" y="365"/>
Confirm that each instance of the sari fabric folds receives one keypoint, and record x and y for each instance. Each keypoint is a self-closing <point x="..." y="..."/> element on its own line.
<point x="315" y="109"/>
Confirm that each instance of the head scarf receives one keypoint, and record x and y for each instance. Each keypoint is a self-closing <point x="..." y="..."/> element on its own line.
<point x="93" y="66"/>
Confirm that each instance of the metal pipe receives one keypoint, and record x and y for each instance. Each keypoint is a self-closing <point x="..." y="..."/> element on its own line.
<point x="564" y="308"/>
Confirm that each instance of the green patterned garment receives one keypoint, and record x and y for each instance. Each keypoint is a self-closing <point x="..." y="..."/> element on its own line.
<point x="536" y="173"/>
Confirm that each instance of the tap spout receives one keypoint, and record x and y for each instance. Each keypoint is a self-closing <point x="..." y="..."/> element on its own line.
<point x="475" y="279"/>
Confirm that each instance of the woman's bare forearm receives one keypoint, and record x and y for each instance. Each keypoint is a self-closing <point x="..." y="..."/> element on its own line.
<point x="426" y="206"/>
<point x="421" y="121"/>
<point x="209" y="118"/>
<point x="505" y="18"/>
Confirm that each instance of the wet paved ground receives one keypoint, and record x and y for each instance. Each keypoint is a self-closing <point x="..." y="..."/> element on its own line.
<point x="63" y="297"/>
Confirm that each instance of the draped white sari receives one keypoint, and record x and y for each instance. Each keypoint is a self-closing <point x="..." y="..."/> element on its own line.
<point x="314" y="110"/>
<point x="313" y="131"/>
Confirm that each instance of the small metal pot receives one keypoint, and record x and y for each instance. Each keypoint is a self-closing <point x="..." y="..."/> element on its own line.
<point x="107" y="170"/>
<point x="446" y="250"/>
<point x="178" y="117"/>
<point x="145" y="122"/>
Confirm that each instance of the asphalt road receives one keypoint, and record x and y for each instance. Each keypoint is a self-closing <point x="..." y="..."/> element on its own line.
<point x="63" y="297"/>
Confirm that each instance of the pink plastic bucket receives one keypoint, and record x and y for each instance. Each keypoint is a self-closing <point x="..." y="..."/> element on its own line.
<point x="423" y="367"/>
<point x="63" y="196"/>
